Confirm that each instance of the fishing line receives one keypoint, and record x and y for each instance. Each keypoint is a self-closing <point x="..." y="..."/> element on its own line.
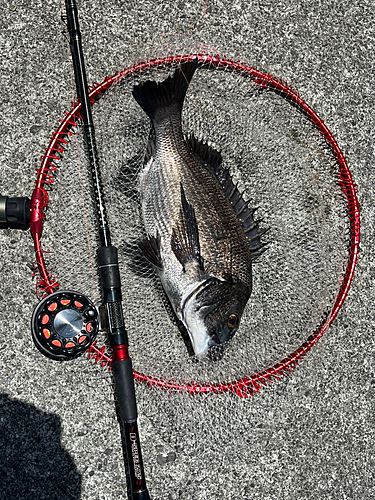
<point x="307" y="197"/>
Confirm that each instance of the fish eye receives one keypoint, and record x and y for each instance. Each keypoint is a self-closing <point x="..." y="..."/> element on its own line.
<point x="232" y="321"/>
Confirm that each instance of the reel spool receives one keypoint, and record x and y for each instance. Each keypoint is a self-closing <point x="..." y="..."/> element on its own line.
<point x="64" y="325"/>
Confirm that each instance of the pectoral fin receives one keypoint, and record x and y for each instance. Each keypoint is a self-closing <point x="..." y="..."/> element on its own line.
<point x="150" y="248"/>
<point x="185" y="237"/>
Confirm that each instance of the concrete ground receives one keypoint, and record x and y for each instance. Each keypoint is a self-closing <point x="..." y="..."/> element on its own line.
<point x="309" y="436"/>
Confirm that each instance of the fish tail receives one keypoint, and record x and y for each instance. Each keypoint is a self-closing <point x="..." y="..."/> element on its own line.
<point x="153" y="96"/>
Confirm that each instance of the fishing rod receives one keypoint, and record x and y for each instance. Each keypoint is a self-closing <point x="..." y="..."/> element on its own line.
<point x="107" y="256"/>
<point x="65" y="323"/>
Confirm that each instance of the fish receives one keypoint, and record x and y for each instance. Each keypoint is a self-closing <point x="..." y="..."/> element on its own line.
<point x="201" y="236"/>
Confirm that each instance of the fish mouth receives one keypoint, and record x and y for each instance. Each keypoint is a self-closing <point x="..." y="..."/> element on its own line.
<point x="213" y="352"/>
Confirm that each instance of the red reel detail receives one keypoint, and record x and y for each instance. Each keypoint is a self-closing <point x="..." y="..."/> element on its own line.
<point x="65" y="331"/>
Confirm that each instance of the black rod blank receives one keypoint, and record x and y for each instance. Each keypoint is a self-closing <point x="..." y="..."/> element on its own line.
<point x="75" y="40"/>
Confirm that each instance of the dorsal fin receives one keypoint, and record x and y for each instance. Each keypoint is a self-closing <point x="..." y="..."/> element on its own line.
<point x="245" y="215"/>
<point x="210" y="156"/>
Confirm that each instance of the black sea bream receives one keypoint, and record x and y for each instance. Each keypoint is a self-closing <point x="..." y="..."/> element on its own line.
<point x="201" y="235"/>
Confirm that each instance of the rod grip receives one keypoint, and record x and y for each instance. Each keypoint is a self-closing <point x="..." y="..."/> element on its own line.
<point x="124" y="382"/>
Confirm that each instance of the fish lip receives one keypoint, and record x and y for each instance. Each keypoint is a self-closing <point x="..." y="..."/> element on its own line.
<point x="214" y="351"/>
<point x="209" y="344"/>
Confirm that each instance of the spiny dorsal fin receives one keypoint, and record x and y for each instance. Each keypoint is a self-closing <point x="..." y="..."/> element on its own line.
<point x="245" y="215"/>
<point x="210" y="156"/>
<point x="185" y="237"/>
<point x="259" y="250"/>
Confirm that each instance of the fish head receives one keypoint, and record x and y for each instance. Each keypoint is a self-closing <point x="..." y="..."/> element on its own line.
<point x="211" y="313"/>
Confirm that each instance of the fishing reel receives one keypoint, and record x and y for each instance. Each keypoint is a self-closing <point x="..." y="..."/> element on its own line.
<point x="64" y="325"/>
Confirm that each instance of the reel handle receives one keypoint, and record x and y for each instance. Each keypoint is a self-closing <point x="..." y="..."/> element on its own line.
<point x="14" y="212"/>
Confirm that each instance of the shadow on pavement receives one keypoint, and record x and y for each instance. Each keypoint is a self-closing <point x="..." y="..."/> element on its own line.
<point x="33" y="463"/>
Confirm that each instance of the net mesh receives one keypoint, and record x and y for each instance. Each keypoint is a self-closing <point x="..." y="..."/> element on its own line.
<point x="284" y="167"/>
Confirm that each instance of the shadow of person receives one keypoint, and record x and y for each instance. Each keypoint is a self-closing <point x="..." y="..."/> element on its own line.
<point x="33" y="463"/>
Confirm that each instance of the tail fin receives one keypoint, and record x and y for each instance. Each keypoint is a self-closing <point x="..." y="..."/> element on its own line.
<point x="152" y="96"/>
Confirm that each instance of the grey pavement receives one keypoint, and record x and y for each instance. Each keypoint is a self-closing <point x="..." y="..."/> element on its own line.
<point x="308" y="436"/>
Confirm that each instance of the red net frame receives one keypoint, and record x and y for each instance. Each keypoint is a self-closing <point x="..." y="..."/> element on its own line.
<point x="47" y="283"/>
